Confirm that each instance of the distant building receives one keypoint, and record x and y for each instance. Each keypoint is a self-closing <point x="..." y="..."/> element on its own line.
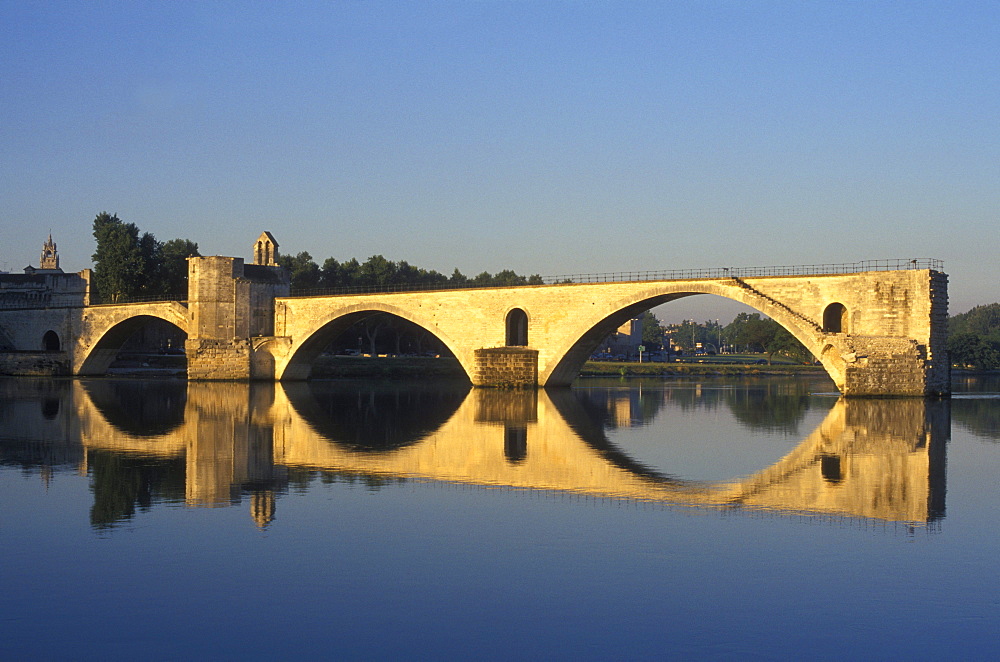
<point x="626" y="340"/>
<point x="49" y="262"/>
<point x="45" y="286"/>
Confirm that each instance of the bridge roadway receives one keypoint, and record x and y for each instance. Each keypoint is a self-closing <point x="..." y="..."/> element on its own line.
<point x="869" y="458"/>
<point x="877" y="333"/>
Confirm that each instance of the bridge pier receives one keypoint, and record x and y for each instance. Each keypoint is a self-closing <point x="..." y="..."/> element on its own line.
<point x="506" y="367"/>
<point x="213" y="358"/>
<point x="231" y="305"/>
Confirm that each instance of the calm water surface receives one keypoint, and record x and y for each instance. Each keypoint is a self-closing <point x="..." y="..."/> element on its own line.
<point x="713" y="518"/>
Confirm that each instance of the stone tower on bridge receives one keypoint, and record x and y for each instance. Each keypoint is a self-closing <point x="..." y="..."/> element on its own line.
<point x="232" y="306"/>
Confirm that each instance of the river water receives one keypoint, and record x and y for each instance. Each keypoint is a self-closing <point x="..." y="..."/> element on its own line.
<point x="713" y="518"/>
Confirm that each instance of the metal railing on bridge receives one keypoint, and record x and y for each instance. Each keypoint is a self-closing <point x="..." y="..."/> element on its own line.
<point x="641" y="276"/>
<point x="42" y="303"/>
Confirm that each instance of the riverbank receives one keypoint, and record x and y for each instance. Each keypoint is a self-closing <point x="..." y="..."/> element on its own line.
<point x="327" y="367"/>
<point x="609" y="368"/>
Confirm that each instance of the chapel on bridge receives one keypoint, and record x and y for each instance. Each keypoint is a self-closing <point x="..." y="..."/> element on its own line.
<point x="265" y="250"/>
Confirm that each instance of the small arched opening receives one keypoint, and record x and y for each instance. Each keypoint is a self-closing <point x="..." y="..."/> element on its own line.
<point x="835" y="318"/>
<point x="517" y="328"/>
<point x="50" y="341"/>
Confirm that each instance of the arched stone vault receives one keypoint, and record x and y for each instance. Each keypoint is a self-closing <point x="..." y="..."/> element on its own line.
<point x="102" y="330"/>
<point x="294" y="360"/>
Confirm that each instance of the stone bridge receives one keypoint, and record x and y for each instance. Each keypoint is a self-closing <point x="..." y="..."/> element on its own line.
<point x="877" y="331"/>
<point x="869" y="458"/>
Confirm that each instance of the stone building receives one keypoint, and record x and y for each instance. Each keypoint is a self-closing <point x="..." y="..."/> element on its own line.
<point x="45" y="286"/>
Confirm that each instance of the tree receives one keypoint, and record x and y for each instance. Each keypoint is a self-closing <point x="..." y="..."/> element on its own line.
<point x="652" y="332"/>
<point x="508" y="278"/>
<point x="120" y="261"/>
<point x="981" y="320"/>
<point x="130" y="265"/>
<point x="970" y="350"/>
<point x="784" y="343"/>
<point x="305" y="274"/>
<point x="749" y="330"/>
<point x="173" y="272"/>
<point x="378" y="272"/>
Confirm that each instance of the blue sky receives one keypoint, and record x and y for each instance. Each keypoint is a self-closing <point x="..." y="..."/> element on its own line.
<point x="545" y="137"/>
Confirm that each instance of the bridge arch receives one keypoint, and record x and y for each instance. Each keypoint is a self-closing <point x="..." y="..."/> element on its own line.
<point x="319" y="334"/>
<point x="98" y="346"/>
<point x="579" y="343"/>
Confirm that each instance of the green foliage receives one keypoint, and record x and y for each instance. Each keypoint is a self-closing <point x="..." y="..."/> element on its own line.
<point x="122" y="259"/>
<point x="981" y="320"/>
<point x="305" y="273"/>
<point x="652" y="332"/>
<point x="974" y="338"/>
<point x="759" y="334"/>
<point x="971" y="350"/>
<point x="173" y="272"/>
<point x="749" y="331"/>
<point x="129" y="265"/>
<point x="380" y="273"/>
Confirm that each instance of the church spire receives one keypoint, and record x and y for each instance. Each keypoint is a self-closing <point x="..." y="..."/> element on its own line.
<point x="50" y="257"/>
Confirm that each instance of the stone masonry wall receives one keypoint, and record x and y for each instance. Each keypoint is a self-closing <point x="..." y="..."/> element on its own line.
<point x="886" y="366"/>
<point x="34" y="364"/>
<point x="506" y="367"/>
<point x="938" y="363"/>
<point x="210" y="358"/>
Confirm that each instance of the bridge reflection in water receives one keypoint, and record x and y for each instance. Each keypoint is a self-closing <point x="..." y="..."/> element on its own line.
<point x="875" y="459"/>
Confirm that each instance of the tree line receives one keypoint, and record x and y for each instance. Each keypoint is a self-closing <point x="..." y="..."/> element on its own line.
<point x="379" y="273"/>
<point x="974" y="338"/>
<point x="748" y="332"/>
<point x="130" y="265"/>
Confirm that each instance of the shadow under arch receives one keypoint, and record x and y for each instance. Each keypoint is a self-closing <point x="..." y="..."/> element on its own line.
<point x="141" y="408"/>
<point x="576" y="352"/>
<point x="374" y="417"/>
<point x="300" y="363"/>
<point x="104" y="352"/>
